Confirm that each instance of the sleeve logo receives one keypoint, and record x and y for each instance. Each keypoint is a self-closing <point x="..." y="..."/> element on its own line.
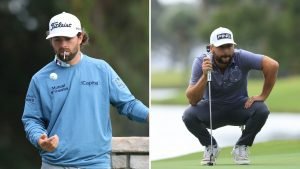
<point x="30" y="98"/>
<point x="119" y="82"/>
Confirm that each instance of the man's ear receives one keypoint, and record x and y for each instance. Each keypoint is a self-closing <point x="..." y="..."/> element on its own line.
<point x="80" y="37"/>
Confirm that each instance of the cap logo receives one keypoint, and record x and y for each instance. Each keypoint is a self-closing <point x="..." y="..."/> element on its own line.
<point x="224" y="36"/>
<point x="59" y="25"/>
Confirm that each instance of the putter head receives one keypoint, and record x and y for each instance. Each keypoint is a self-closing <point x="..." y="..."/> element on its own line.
<point x="210" y="163"/>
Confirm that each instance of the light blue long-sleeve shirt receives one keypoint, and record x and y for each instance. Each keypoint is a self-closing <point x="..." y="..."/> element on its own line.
<point x="74" y="103"/>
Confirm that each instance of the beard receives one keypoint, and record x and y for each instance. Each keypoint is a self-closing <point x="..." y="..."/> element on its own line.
<point x="223" y="59"/>
<point x="66" y="55"/>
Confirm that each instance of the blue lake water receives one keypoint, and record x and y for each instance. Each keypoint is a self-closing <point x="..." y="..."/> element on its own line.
<point x="170" y="138"/>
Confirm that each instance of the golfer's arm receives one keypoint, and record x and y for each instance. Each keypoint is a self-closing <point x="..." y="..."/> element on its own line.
<point x="194" y="93"/>
<point x="270" y="68"/>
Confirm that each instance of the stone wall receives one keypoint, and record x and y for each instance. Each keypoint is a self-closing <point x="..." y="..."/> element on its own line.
<point x="130" y="152"/>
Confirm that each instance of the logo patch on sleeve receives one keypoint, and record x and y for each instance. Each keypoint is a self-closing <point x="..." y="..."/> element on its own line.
<point x="119" y="83"/>
<point x="30" y="98"/>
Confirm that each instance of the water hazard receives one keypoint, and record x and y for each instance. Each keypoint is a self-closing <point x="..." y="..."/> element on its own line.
<point x="169" y="136"/>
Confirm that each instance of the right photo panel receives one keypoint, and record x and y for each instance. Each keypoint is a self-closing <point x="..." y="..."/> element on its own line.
<point x="225" y="84"/>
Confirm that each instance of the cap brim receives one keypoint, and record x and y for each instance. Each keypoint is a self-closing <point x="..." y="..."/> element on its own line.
<point x="65" y="34"/>
<point x="223" y="42"/>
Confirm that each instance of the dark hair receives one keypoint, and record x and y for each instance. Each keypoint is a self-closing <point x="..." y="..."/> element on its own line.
<point x="85" y="37"/>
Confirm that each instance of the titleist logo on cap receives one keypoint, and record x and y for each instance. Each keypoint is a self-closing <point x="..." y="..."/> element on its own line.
<point x="223" y="36"/>
<point x="59" y="25"/>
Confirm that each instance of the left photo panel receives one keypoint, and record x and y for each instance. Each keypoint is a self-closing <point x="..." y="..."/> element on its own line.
<point x="79" y="97"/>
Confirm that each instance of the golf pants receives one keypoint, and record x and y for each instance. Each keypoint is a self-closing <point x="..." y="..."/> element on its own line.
<point x="49" y="166"/>
<point x="196" y="119"/>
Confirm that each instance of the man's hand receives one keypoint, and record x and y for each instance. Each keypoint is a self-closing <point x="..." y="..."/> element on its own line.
<point x="206" y="65"/>
<point x="195" y="92"/>
<point x="253" y="99"/>
<point x="48" y="144"/>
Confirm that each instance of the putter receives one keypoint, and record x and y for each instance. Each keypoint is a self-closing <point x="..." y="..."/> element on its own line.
<point x="211" y="162"/>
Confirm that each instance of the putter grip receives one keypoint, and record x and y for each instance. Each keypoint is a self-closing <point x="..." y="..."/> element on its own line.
<point x="209" y="76"/>
<point x="208" y="56"/>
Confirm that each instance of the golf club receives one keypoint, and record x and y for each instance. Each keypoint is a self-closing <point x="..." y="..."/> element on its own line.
<point x="211" y="162"/>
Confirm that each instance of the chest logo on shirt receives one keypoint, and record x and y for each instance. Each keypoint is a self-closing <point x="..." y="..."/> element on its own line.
<point x="233" y="77"/>
<point x="235" y="74"/>
<point x="59" y="88"/>
<point x="89" y="83"/>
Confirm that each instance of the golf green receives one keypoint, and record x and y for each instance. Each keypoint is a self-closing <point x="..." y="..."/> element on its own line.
<point x="269" y="155"/>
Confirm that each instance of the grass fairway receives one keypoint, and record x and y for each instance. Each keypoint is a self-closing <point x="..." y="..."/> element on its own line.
<point x="270" y="155"/>
<point x="284" y="97"/>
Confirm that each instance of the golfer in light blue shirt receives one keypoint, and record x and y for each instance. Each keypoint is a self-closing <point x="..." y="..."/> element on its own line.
<point x="67" y="107"/>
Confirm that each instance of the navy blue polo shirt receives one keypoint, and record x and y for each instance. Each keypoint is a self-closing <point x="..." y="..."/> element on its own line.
<point x="230" y="86"/>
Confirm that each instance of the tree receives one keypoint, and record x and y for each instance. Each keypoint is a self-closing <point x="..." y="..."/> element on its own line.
<point x="119" y="34"/>
<point x="266" y="27"/>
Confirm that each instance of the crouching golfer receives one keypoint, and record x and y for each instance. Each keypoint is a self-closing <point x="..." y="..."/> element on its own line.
<point x="231" y="104"/>
<point x="67" y="108"/>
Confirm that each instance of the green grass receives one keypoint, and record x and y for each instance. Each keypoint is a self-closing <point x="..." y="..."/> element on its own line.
<point x="169" y="79"/>
<point x="285" y="95"/>
<point x="269" y="155"/>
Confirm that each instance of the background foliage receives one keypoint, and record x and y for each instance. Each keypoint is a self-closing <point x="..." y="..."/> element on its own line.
<point x="118" y="33"/>
<point x="268" y="27"/>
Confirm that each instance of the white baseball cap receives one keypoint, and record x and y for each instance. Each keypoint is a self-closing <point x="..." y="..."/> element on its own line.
<point x="221" y="36"/>
<point x="64" y="24"/>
